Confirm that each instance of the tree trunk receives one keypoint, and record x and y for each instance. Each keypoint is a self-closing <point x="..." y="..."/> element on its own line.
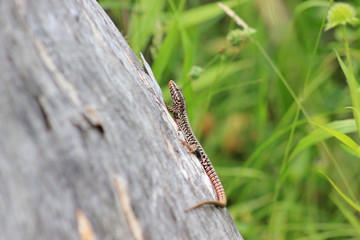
<point x="87" y="148"/>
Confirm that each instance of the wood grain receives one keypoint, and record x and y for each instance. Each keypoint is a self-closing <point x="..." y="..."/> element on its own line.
<point x="84" y="129"/>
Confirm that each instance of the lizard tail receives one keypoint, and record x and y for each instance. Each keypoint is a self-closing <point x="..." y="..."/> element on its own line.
<point x="216" y="203"/>
<point x="210" y="171"/>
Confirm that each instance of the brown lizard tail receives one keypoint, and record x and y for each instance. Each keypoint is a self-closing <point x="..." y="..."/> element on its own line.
<point x="216" y="203"/>
<point x="210" y="171"/>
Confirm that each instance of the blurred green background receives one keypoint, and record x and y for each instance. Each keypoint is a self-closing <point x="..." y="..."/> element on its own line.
<point x="277" y="113"/>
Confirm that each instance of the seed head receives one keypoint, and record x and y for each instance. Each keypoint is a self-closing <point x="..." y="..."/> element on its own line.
<point x="195" y="72"/>
<point x="341" y="14"/>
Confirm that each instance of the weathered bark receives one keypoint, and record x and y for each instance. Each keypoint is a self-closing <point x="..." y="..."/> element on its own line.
<point x="87" y="148"/>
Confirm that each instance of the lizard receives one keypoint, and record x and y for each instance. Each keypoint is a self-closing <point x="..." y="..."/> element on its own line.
<point x="179" y="112"/>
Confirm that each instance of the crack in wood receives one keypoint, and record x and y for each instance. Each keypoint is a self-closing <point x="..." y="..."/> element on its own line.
<point x="93" y="119"/>
<point x="125" y="201"/>
<point x="41" y="101"/>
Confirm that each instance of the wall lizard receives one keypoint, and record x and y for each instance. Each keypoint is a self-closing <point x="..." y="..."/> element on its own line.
<point x="180" y="116"/>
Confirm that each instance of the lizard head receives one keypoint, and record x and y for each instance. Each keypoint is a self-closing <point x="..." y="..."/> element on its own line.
<point x="177" y="96"/>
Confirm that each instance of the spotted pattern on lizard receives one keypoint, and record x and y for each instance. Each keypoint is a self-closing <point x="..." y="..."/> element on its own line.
<point x="179" y="111"/>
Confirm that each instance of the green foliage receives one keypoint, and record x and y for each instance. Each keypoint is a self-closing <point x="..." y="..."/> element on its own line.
<point x="272" y="110"/>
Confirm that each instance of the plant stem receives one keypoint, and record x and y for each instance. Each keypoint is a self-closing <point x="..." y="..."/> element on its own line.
<point x="347" y="50"/>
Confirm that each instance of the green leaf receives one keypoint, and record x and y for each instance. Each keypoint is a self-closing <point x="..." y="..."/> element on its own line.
<point x="354" y="90"/>
<point x="166" y="50"/>
<point x="142" y="22"/>
<point x="205" y="13"/>
<point x="320" y="134"/>
<point x="343" y="195"/>
<point x="347" y="212"/>
<point x="342" y="137"/>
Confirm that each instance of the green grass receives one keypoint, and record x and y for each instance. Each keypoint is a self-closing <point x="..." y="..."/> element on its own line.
<point x="279" y="116"/>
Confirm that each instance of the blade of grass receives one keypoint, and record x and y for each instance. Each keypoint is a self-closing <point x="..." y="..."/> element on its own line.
<point x="341" y="193"/>
<point x="342" y="138"/>
<point x="354" y="91"/>
<point x="143" y="22"/>
<point x="203" y="13"/>
<point x="349" y="214"/>
<point x="166" y="51"/>
<point x="319" y="135"/>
